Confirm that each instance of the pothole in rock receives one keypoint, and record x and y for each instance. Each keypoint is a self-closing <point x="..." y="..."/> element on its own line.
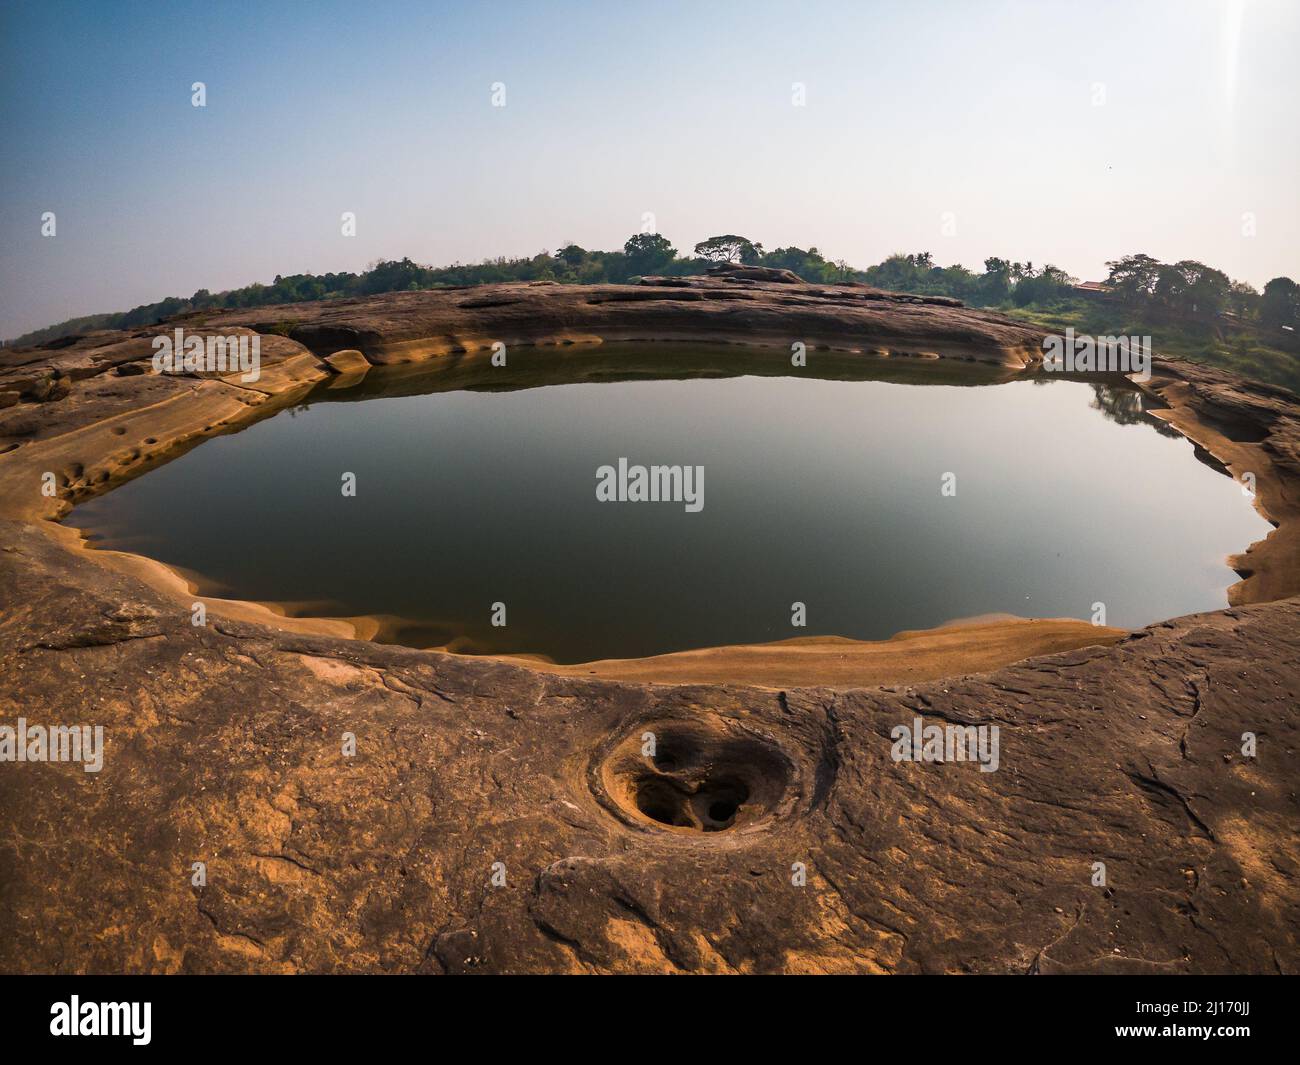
<point x="695" y="777"/>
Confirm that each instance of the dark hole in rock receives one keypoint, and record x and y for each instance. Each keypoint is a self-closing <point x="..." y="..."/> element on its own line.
<point x="665" y="761"/>
<point x="662" y="803"/>
<point x="700" y="778"/>
<point x="720" y="802"/>
<point x="722" y="811"/>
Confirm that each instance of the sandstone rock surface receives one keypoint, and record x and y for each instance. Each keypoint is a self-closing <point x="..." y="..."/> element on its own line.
<point x="499" y="819"/>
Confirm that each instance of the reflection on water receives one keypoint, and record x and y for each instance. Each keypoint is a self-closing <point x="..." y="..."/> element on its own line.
<point x="476" y="486"/>
<point x="1126" y="406"/>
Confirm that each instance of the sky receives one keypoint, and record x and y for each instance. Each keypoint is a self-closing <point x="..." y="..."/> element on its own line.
<point x="1069" y="133"/>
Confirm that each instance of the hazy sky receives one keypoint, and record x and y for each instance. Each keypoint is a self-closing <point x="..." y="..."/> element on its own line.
<point x="987" y="110"/>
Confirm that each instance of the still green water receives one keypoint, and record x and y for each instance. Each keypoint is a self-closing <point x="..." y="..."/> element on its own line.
<point x="477" y="486"/>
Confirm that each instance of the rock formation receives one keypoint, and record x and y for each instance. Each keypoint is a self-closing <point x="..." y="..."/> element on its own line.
<point x="498" y="819"/>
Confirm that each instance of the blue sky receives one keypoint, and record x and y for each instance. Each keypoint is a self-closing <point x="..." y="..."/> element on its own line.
<point x="978" y="109"/>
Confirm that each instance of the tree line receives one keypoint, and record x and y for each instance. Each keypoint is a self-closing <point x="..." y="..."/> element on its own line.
<point x="1186" y="288"/>
<point x="1193" y="289"/>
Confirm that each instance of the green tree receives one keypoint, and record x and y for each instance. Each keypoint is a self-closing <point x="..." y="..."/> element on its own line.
<point x="572" y="255"/>
<point x="1189" y="287"/>
<point x="1280" y="304"/>
<point x="395" y="276"/>
<point x="896" y="273"/>
<point x="730" y="249"/>
<point x="1046" y="286"/>
<point x="1133" y="277"/>
<point x="648" y="253"/>
<point x="955" y="281"/>
<point x="807" y="264"/>
<point x="995" y="284"/>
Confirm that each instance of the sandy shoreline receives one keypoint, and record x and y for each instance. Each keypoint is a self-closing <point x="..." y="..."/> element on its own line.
<point x="960" y="646"/>
<point x="837" y="662"/>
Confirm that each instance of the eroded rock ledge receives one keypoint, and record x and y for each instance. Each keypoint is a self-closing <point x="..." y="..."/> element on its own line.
<point x="224" y="741"/>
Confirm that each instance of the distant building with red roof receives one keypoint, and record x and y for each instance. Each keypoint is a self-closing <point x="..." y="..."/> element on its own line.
<point x="1094" y="290"/>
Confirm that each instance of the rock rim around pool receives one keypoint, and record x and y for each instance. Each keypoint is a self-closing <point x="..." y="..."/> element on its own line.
<point x="804" y="499"/>
<point x="498" y="818"/>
